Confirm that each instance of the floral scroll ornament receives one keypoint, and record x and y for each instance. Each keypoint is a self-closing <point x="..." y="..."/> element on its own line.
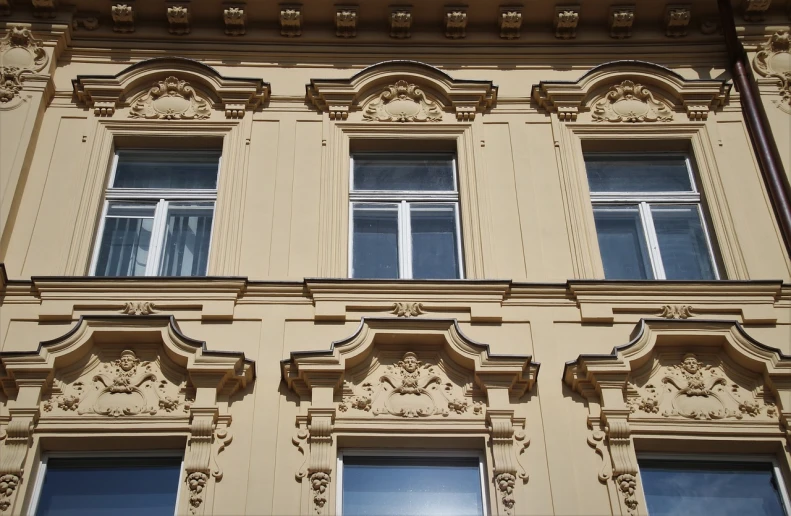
<point x="402" y="102"/>
<point x="20" y="53"/>
<point x="774" y="61"/>
<point x="171" y="99"/>
<point x="630" y="102"/>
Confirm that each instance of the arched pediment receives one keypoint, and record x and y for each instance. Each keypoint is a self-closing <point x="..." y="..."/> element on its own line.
<point x="383" y="342"/>
<point x="419" y="92"/>
<point x="631" y="91"/>
<point x="185" y="88"/>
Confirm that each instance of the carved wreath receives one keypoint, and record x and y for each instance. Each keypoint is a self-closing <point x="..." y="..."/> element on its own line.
<point x="630" y="102"/>
<point x="774" y="61"/>
<point x="402" y="102"/>
<point x="410" y="389"/>
<point x="170" y="99"/>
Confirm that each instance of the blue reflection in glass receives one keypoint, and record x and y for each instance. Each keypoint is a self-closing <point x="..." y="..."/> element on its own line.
<point x="710" y="487"/>
<point x="411" y="486"/>
<point x="110" y="486"/>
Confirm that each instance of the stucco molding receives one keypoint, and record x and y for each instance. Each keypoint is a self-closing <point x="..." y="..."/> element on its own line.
<point x="701" y="375"/>
<point x="142" y="373"/>
<point x="772" y="62"/>
<point x="428" y="88"/>
<point x="603" y="87"/>
<point x="139" y="82"/>
<point x="22" y="56"/>
<point x="394" y="375"/>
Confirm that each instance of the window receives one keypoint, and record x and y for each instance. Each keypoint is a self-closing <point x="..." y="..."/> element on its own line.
<point x="158" y="214"/>
<point x="649" y="218"/>
<point x="121" y="486"/>
<point x="404" y="217"/>
<point x="719" y="487"/>
<point x="410" y="484"/>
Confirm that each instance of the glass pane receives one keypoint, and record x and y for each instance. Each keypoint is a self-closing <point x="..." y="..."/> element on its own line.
<point x="434" y="241"/>
<point x="117" y="486"/>
<point x="389" y="486"/>
<point x="171" y="169"/>
<point x="622" y="243"/>
<point x="125" y="239"/>
<point x="393" y="172"/>
<point x="187" y="236"/>
<point x="721" y="488"/>
<point x="375" y="241"/>
<point x="682" y="243"/>
<point x="636" y="174"/>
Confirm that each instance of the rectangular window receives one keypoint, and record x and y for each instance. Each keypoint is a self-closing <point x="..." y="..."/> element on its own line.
<point x="121" y="486"/>
<point x="410" y="484"/>
<point x="728" y="488"/>
<point x="404" y="213"/>
<point x="158" y="214"/>
<point x="649" y="217"/>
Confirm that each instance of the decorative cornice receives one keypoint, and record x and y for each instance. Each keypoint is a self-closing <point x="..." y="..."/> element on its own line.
<point x="339" y="97"/>
<point x="569" y="98"/>
<point x="187" y="79"/>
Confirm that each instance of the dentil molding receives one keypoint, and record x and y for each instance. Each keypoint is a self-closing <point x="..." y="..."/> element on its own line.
<point x="401" y="91"/>
<point x="170" y="89"/>
<point x="773" y="61"/>
<point x="631" y="91"/>
<point x="676" y="378"/>
<point x="131" y="370"/>
<point x="395" y="375"/>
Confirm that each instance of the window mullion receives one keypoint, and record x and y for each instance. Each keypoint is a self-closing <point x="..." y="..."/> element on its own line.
<point x="709" y="247"/>
<point x="157" y="237"/>
<point x="653" y="241"/>
<point x="405" y="240"/>
<point x="98" y="240"/>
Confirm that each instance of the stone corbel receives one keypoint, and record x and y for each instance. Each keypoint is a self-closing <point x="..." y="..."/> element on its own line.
<point x="235" y="19"/>
<point x="566" y="20"/>
<point x="455" y="22"/>
<point x="291" y="20"/>
<point x="620" y="21"/>
<point x="755" y="10"/>
<point x="45" y="8"/>
<point x="179" y="18"/>
<point x="400" y="22"/>
<point x="6" y="7"/>
<point x="677" y="19"/>
<point x="123" y="15"/>
<point x="510" y="22"/>
<point x="507" y="470"/>
<point x="346" y="21"/>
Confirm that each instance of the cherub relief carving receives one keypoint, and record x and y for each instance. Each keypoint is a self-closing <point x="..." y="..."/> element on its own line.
<point x="695" y="390"/>
<point x="126" y="386"/>
<point x="410" y="388"/>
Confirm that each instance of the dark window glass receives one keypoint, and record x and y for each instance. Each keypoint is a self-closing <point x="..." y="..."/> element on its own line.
<point x="413" y="172"/>
<point x="434" y="245"/>
<point x="167" y="169"/>
<point x="110" y="486"/>
<point x="708" y="487"/>
<point x="622" y="243"/>
<point x="682" y="243"/>
<point x="637" y="174"/>
<point x="375" y="234"/>
<point x="390" y="486"/>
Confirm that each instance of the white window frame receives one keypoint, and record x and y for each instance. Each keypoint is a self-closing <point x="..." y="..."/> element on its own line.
<point x="403" y="199"/>
<point x="400" y="453"/>
<point x="137" y="454"/>
<point x="643" y="202"/>
<point x="162" y="197"/>
<point x="693" y="457"/>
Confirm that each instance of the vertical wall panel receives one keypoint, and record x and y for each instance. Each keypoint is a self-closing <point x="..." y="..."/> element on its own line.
<point x="304" y="255"/>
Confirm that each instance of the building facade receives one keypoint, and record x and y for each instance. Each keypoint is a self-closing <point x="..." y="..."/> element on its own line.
<point x="265" y="258"/>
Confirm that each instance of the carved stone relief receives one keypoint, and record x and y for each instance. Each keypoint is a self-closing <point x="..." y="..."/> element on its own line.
<point x="179" y="19"/>
<point x="510" y="23"/>
<point x="402" y="102"/>
<point x="170" y="99"/>
<point x="125" y="386"/>
<point x="677" y="19"/>
<point x="123" y="18"/>
<point x="85" y="21"/>
<point x="694" y="389"/>
<point x="630" y="102"/>
<point x="455" y="23"/>
<point x="620" y="21"/>
<point x="755" y="10"/>
<point x="408" y="309"/>
<point x="346" y="22"/>
<point x="235" y="19"/>
<point x="566" y="20"/>
<point x="291" y="21"/>
<point x="20" y="53"/>
<point x="409" y="388"/>
<point x="774" y="61"/>
<point x="676" y="312"/>
<point x="138" y="308"/>
<point x="400" y="23"/>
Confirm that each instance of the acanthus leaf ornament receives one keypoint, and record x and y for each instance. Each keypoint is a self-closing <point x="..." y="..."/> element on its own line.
<point x="138" y="308"/>
<point x="170" y="99"/>
<point x="676" y="312"/>
<point x="402" y="102"/>
<point x="773" y="61"/>
<point x="20" y="53"/>
<point x="408" y="309"/>
<point x="630" y="102"/>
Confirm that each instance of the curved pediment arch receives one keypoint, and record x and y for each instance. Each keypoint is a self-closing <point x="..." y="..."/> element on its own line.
<point x="173" y="77"/>
<point x="430" y="91"/>
<point x="631" y="91"/>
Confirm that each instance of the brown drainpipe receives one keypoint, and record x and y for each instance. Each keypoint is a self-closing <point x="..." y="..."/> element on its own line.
<point x="758" y="125"/>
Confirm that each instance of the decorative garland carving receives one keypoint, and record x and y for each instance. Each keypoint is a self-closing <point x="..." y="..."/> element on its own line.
<point x="627" y="484"/>
<point x="19" y="433"/>
<point x="319" y="481"/>
<point x="630" y="102"/>
<point x="408" y="309"/>
<point x="8" y="484"/>
<point x="402" y="102"/>
<point x="694" y="390"/>
<point x="170" y="99"/>
<point x="676" y="311"/>
<point x="196" y="482"/>
<point x="10" y="83"/>
<point x="773" y="60"/>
